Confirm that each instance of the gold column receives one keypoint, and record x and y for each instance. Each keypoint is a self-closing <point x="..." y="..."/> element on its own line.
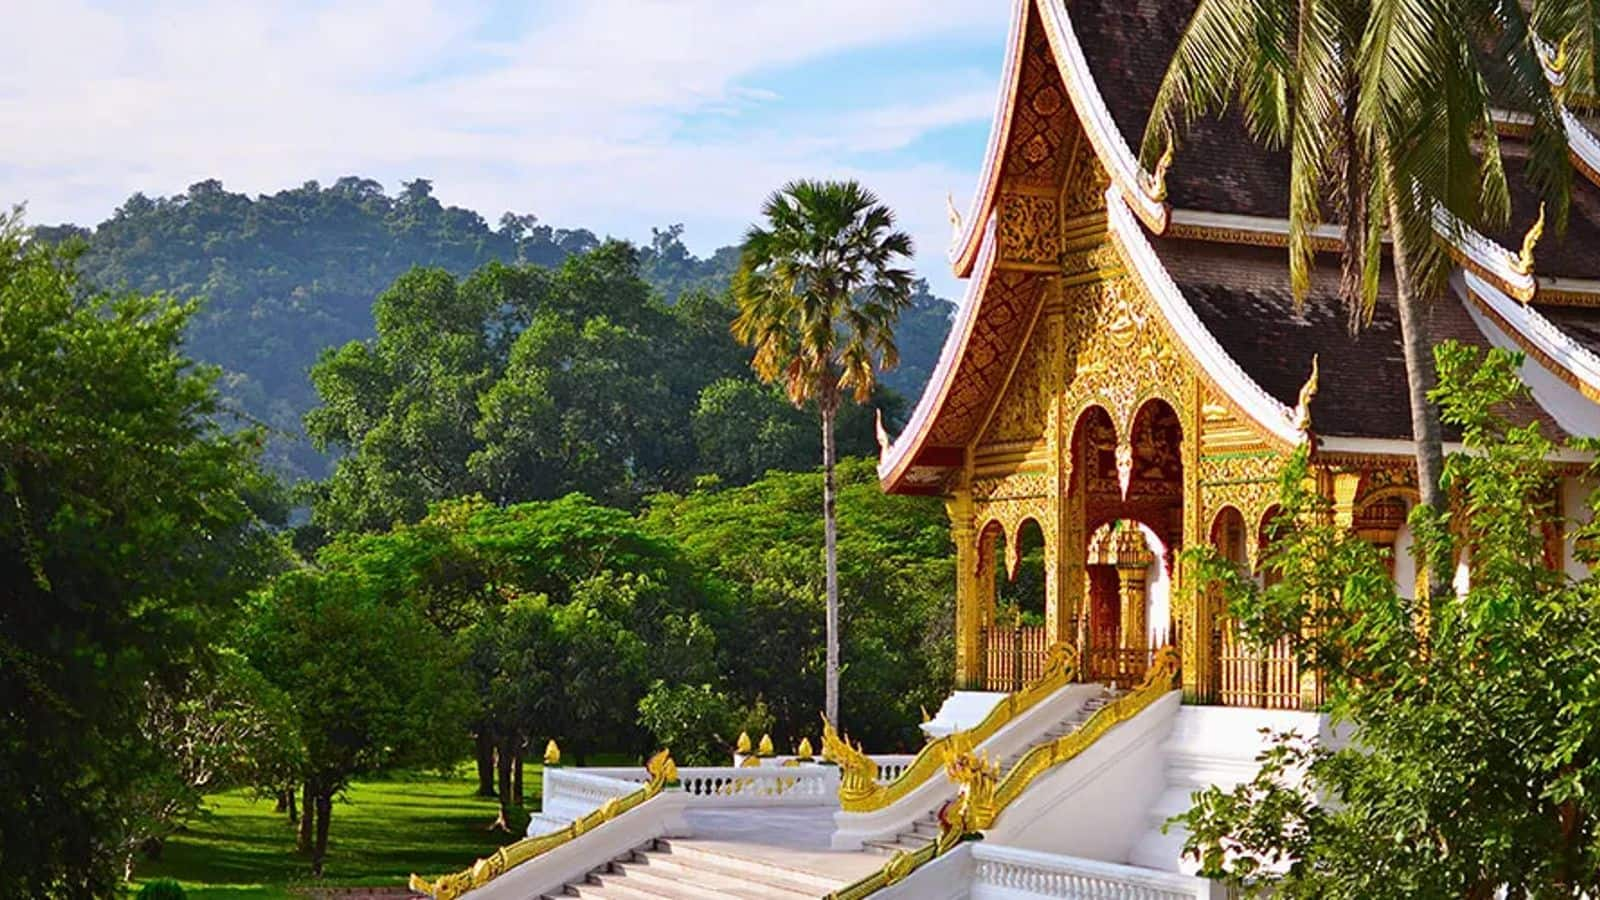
<point x="1059" y="568"/>
<point x="1133" y="564"/>
<point x="1073" y="573"/>
<point x="1193" y="628"/>
<point x="969" y="599"/>
<point x="1344" y="485"/>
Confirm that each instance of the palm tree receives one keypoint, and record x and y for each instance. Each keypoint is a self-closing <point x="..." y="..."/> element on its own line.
<point x="819" y="288"/>
<point x="1400" y="92"/>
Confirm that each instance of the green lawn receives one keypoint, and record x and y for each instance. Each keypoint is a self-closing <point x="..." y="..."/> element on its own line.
<point x="381" y="833"/>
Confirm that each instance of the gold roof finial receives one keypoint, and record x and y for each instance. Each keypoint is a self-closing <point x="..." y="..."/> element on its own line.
<point x="1556" y="64"/>
<point x="953" y="214"/>
<point x="1158" y="180"/>
<point x="1524" y="264"/>
<point x="1302" y="410"/>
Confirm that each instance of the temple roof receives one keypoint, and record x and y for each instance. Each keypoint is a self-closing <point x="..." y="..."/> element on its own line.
<point x="1242" y="295"/>
<point x="1221" y="278"/>
<point x="1218" y="167"/>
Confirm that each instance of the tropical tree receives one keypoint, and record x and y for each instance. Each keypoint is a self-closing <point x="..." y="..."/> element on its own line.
<point x="374" y="687"/>
<point x="819" y="289"/>
<point x="127" y="536"/>
<point x="1476" y="772"/>
<point x="1404" y="94"/>
<point x="758" y="545"/>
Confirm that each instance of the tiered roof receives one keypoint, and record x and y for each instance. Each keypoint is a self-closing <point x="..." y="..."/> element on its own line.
<point x="1209" y="249"/>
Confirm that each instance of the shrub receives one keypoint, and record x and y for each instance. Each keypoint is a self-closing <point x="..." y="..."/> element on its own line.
<point x="161" y="889"/>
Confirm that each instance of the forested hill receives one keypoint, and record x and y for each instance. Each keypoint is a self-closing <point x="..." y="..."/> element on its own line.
<point x="288" y="274"/>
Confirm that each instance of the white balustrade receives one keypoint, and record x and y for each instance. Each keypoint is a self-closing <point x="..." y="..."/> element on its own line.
<point x="804" y="785"/>
<point x="570" y="793"/>
<point x="1007" y="873"/>
<point x="890" y="765"/>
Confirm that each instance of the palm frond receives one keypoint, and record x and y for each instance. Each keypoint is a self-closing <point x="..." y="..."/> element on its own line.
<point x="819" y="288"/>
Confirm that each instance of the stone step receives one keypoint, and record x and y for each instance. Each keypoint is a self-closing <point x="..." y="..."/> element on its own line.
<point x="1155" y="850"/>
<point x="760" y="871"/>
<point x="662" y="866"/>
<point x="636" y="877"/>
<point x="890" y="848"/>
<point x="926" y="828"/>
<point x="613" y="890"/>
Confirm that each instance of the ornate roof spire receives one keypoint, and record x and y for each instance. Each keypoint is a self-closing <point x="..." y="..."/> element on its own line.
<point x="1524" y="263"/>
<point x="1302" y="410"/>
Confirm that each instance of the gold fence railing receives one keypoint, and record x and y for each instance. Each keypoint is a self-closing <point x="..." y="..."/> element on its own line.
<point x="984" y="795"/>
<point x="1013" y="656"/>
<point x="663" y="772"/>
<point x="859" y="789"/>
<point x="1161" y="677"/>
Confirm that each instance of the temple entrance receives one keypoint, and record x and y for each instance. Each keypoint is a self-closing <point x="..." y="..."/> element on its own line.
<point x="1244" y="673"/>
<point x="1015" y="644"/>
<point x="1129" y="493"/>
<point x="1128" y="602"/>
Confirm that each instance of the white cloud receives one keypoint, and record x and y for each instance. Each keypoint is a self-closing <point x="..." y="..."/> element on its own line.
<point x="577" y="115"/>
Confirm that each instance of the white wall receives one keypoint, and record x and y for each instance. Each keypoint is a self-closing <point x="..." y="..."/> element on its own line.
<point x="1094" y="804"/>
<point x="1405" y="565"/>
<point x="1158" y="592"/>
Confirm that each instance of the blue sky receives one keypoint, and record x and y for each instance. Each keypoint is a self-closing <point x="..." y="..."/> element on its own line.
<point x="616" y="115"/>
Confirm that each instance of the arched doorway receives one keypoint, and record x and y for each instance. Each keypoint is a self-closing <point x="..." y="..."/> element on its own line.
<point x="1244" y="673"/>
<point x="1129" y="494"/>
<point x="1129" y="601"/>
<point x="1011" y="580"/>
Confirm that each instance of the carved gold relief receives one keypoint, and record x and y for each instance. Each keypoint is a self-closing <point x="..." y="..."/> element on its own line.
<point x="1028" y="230"/>
<point x="1247" y="482"/>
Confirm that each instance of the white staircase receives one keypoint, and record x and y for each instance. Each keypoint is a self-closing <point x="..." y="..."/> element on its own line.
<point x="926" y="828"/>
<point x="683" y="871"/>
<point x="1208" y="746"/>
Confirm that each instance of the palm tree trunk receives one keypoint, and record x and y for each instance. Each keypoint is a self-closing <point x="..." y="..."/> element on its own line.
<point x="830" y="531"/>
<point x="1417" y="346"/>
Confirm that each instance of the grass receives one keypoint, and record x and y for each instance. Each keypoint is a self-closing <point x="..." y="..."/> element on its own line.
<point x="382" y="831"/>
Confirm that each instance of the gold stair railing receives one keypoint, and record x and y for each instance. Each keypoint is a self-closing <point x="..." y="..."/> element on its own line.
<point x="663" y="773"/>
<point x="859" y="789"/>
<point x="984" y="795"/>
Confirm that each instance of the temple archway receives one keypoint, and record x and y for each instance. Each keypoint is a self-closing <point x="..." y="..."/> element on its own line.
<point x="1129" y="495"/>
<point x="1129" y="600"/>
<point x="1244" y="673"/>
<point x="991" y="568"/>
<point x="1021" y="593"/>
<point x="1266" y="532"/>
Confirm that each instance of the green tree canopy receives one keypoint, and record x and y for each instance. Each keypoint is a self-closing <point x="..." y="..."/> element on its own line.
<point x="126" y="540"/>
<point x="1474" y="764"/>
<point x="762" y="543"/>
<point x="373" y="685"/>
<point x="286" y="275"/>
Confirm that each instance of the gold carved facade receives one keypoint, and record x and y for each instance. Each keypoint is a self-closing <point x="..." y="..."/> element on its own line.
<point x="1077" y="404"/>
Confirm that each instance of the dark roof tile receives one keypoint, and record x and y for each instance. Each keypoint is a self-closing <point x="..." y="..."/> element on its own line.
<point x="1242" y="296"/>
